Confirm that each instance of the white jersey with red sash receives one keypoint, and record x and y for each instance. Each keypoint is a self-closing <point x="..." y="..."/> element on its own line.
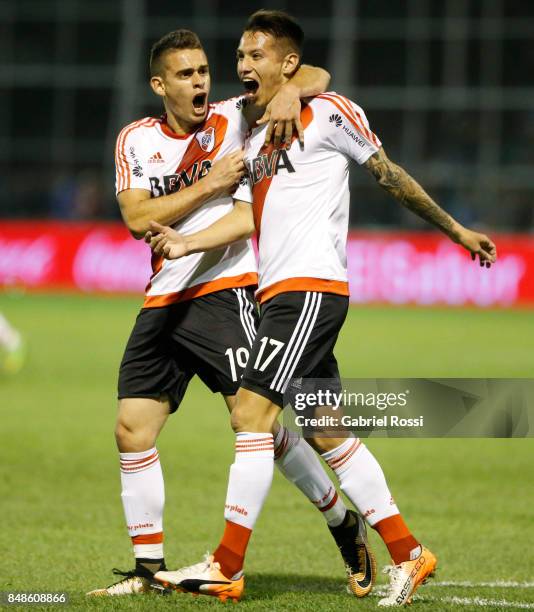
<point x="149" y="155"/>
<point x="301" y="197"/>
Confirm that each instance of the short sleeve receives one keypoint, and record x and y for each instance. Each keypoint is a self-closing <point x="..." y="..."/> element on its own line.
<point x="244" y="190"/>
<point x="130" y="170"/>
<point x="344" y="127"/>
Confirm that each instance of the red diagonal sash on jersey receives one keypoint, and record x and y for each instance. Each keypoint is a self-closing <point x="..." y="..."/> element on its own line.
<point x="214" y="127"/>
<point x="260" y="189"/>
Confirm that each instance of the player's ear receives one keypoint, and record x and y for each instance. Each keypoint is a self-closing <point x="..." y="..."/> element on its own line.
<point x="290" y="64"/>
<point x="158" y="86"/>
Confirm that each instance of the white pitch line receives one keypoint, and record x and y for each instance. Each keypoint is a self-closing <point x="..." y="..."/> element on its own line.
<point x="381" y="590"/>
<point x="502" y="584"/>
<point x="478" y="601"/>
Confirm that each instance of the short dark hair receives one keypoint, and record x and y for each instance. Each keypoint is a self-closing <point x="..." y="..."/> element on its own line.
<point x="279" y="25"/>
<point x="177" y="39"/>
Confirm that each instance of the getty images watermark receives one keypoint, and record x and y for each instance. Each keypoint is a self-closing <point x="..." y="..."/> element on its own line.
<point x="344" y="399"/>
<point x="418" y="407"/>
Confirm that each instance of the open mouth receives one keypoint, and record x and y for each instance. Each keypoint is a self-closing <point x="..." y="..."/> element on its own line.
<point x="251" y="86"/>
<point x="199" y="101"/>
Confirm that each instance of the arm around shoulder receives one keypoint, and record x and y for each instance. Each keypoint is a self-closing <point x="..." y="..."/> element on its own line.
<point x="310" y="81"/>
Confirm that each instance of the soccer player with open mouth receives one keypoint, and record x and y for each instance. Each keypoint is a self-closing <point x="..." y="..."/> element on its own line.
<point x="299" y="200"/>
<point x="199" y="316"/>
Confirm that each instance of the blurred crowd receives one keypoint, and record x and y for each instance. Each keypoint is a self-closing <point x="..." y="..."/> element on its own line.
<point x="62" y="102"/>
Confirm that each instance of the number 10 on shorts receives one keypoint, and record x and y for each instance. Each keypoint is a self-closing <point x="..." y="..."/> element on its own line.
<point x="263" y="359"/>
<point x="240" y="357"/>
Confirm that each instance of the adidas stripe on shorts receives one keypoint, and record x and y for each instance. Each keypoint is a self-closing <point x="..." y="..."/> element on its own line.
<point x="295" y="338"/>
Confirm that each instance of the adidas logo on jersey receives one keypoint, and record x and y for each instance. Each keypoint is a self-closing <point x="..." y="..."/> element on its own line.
<point x="335" y="118"/>
<point x="156" y="159"/>
<point x="206" y="139"/>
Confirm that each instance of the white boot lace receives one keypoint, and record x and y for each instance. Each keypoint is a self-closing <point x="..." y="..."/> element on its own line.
<point x="198" y="568"/>
<point x="396" y="579"/>
<point x="130" y="584"/>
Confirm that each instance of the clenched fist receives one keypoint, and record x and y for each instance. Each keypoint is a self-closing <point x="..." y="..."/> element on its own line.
<point x="225" y="174"/>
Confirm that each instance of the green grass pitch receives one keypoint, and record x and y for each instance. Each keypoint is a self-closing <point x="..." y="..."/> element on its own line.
<point x="470" y="501"/>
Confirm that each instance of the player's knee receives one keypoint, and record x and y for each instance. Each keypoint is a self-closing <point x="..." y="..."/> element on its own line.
<point x="133" y="440"/>
<point x="239" y="419"/>
<point x="245" y="418"/>
<point x="251" y="417"/>
<point x="139" y="422"/>
<point x="123" y="436"/>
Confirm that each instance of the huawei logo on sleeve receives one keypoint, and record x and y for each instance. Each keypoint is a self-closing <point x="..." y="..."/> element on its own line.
<point x="335" y="118"/>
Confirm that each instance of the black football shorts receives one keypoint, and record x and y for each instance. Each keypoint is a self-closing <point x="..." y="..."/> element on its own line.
<point x="296" y="336"/>
<point x="210" y="336"/>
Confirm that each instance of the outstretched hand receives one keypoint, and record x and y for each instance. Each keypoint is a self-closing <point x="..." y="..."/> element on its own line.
<point x="478" y="245"/>
<point x="166" y="242"/>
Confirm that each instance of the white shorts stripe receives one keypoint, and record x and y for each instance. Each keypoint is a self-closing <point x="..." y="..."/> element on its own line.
<point x="296" y="346"/>
<point x="248" y="306"/>
<point x="249" y="313"/>
<point x="292" y="339"/>
<point x="242" y="315"/>
<point x="286" y="377"/>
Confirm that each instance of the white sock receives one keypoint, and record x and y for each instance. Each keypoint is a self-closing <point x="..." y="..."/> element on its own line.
<point x="298" y="462"/>
<point x="251" y="476"/>
<point x="143" y="498"/>
<point x="362" y="480"/>
<point x="9" y="336"/>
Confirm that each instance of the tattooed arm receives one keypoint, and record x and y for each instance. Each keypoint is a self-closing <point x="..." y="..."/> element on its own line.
<point x="396" y="181"/>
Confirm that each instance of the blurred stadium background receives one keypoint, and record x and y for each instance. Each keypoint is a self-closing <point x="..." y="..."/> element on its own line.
<point x="447" y="85"/>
